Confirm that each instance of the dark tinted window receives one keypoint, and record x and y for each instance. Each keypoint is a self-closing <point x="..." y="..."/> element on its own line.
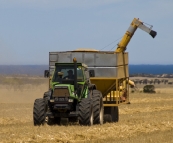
<point x="67" y="73"/>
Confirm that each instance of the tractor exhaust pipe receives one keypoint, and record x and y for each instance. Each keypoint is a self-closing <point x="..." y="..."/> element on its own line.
<point x="75" y="74"/>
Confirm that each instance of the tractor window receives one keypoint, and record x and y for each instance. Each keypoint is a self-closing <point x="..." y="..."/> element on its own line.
<point x="79" y="74"/>
<point x="67" y="73"/>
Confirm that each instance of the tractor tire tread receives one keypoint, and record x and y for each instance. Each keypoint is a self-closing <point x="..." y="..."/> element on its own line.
<point x="84" y="111"/>
<point x="97" y="101"/>
<point x="39" y="112"/>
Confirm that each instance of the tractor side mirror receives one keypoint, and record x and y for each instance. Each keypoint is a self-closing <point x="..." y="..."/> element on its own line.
<point x="46" y="73"/>
<point x="91" y="73"/>
<point x="87" y="76"/>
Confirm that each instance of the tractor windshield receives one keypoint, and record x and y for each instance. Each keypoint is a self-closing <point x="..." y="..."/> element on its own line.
<point x="66" y="72"/>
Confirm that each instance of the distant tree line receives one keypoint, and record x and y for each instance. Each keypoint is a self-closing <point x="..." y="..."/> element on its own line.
<point x="152" y="75"/>
<point x="151" y="81"/>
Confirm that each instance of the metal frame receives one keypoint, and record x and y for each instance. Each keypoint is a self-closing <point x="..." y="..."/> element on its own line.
<point x="115" y="99"/>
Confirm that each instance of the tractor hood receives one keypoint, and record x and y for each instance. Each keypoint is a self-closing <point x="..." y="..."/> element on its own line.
<point x="64" y="90"/>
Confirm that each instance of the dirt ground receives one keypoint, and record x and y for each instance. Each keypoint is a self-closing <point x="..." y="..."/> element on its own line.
<point x="149" y="117"/>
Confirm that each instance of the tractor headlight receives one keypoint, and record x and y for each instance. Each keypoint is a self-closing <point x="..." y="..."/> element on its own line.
<point x="70" y="100"/>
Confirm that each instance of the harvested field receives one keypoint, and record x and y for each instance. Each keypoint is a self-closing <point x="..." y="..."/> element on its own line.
<point x="149" y="117"/>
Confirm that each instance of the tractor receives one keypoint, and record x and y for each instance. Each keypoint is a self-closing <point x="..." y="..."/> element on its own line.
<point x="71" y="96"/>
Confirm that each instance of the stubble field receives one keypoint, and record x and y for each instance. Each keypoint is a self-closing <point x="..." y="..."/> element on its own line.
<point x="149" y="117"/>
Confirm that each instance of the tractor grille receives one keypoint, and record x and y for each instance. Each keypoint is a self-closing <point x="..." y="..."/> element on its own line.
<point x="61" y="92"/>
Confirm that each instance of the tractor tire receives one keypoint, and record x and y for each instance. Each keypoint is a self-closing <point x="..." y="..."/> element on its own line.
<point x="39" y="112"/>
<point x="86" y="115"/>
<point x="113" y="111"/>
<point x="98" y="107"/>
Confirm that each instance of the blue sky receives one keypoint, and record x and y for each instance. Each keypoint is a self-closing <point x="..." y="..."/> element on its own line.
<point x="29" y="29"/>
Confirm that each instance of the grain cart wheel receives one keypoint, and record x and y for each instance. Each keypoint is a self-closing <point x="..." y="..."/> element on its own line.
<point x="107" y="118"/>
<point x="98" y="107"/>
<point x="113" y="113"/>
<point x="86" y="116"/>
<point x="39" y="112"/>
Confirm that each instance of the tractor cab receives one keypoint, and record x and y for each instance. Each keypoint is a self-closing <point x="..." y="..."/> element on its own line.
<point x="72" y="76"/>
<point x="65" y="73"/>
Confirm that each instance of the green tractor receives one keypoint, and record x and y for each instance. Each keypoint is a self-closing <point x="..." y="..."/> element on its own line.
<point x="71" y="96"/>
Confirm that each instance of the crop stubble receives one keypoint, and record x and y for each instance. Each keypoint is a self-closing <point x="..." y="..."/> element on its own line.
<point x="147" y="119"/>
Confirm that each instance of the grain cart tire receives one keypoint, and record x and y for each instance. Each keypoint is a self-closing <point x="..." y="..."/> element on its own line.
<point x="98" y="107"/>
<point x="86" y="115"/>
<point x="113" y="111"/>
<point x="115" y="114"/>
<point x="107" y="118"/>
<point x="39" y="112"/>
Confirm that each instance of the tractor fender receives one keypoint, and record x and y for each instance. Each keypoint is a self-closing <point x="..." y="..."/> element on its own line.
<point x="47" y="95"/>
<point x="92" y="87"/>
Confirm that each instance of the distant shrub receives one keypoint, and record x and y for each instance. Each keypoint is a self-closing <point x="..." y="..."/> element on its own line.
<point x="149" y="89"/>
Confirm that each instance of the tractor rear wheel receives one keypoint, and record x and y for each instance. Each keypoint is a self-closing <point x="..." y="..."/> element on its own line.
<point x="86" y="112"/>
<point x="98" y="107"/>
<point x="39" y="112"/>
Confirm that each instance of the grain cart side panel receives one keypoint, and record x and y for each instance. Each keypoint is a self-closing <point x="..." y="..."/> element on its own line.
<point x="103" y="60"/>
<point x="110" y="72"/>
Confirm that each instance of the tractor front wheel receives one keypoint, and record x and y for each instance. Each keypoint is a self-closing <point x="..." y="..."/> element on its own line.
<point x="39" y="112"/>
<point x="86" y="115"/>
